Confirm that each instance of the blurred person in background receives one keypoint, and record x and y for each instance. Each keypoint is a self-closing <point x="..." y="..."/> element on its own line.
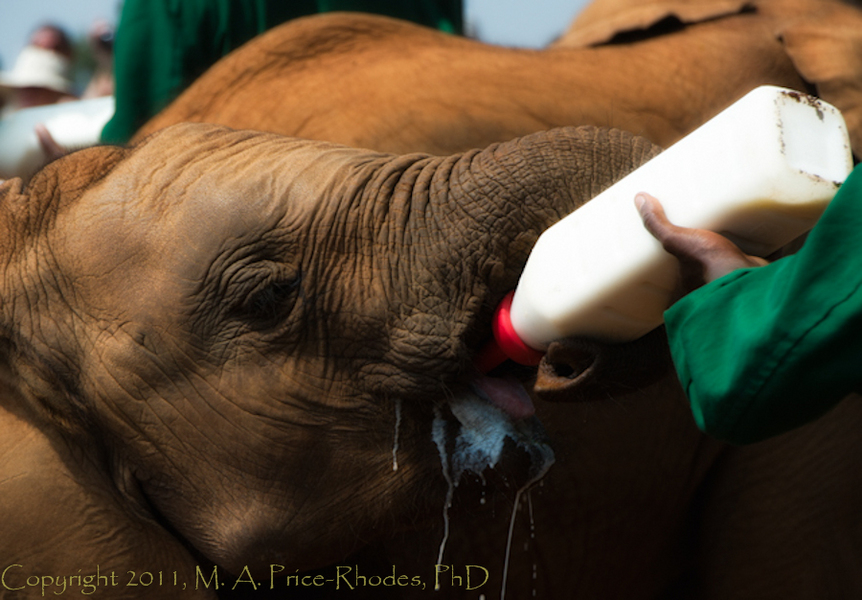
<point x="100" y="41"/>
<point x="42" y="72"/>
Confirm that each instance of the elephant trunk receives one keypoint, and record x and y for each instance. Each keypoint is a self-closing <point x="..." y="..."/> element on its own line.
<point x="510" y="193"/>
<point x="500" y="199"/>
<point x="440" y="239"/>
<point x="460" y="229"/>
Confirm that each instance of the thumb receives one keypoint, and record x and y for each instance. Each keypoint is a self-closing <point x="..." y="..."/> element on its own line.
<point x="703" y="255"/>
<point x="656" y="222"/>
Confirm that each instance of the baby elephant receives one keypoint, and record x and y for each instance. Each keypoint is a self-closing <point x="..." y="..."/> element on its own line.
<point x="231" y="354"/>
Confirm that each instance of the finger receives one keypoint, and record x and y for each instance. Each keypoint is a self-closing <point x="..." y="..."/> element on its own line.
<point x="653" y="215"/>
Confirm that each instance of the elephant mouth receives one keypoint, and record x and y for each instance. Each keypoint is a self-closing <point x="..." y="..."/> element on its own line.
<point x="488" y="427"/>
<point x="506" y="393"/>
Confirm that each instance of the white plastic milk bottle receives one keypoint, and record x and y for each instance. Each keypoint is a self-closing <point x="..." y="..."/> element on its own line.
<point x="761" y="173"/>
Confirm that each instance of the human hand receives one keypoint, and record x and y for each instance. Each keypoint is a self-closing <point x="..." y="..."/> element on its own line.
<point x="703" y="255"/>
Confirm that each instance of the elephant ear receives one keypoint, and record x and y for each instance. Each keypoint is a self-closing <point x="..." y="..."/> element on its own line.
<point x="604" y="20"/>
<point x="28" y="213"/>
<point x="826" y="48"/>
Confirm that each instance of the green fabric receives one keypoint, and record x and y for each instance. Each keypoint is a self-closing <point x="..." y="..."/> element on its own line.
<point x="164" y="45"/>
<point x="762" y="351"/>
<point x="445" y="15"/>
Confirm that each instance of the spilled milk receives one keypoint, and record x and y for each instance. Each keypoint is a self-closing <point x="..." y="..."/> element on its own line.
<point x="481" y="436"/>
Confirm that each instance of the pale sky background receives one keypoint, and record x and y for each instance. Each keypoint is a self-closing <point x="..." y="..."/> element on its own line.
<point x="527" y="23"/>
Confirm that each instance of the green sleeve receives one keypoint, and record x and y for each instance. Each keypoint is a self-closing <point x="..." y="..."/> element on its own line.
<point x="762" y="351"/>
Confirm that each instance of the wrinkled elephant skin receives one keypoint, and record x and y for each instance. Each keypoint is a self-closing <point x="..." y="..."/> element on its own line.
<point x="218" y="343"/>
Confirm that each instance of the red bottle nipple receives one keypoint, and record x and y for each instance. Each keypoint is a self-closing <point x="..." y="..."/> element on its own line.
<point x="506" y="343"/>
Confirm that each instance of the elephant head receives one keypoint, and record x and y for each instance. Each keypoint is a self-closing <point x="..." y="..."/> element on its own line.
<point x="241" y="330"/>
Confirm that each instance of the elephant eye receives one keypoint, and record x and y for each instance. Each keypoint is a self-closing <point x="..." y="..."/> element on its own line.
<point x="270" y="300"/>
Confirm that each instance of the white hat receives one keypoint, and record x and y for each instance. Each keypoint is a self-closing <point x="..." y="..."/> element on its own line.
<point x="38" y="67"/>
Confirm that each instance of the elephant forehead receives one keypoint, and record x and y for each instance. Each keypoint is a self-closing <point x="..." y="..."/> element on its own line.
<point x="190" y="192"/>
<point x="206" y="168"/>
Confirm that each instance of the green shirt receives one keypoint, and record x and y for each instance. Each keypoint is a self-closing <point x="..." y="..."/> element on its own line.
<point x="761" y="351"/>
<point x="164" y="45"/>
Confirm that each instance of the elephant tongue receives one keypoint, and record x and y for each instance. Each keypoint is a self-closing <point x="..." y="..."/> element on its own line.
<point x="505" y="393"/>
